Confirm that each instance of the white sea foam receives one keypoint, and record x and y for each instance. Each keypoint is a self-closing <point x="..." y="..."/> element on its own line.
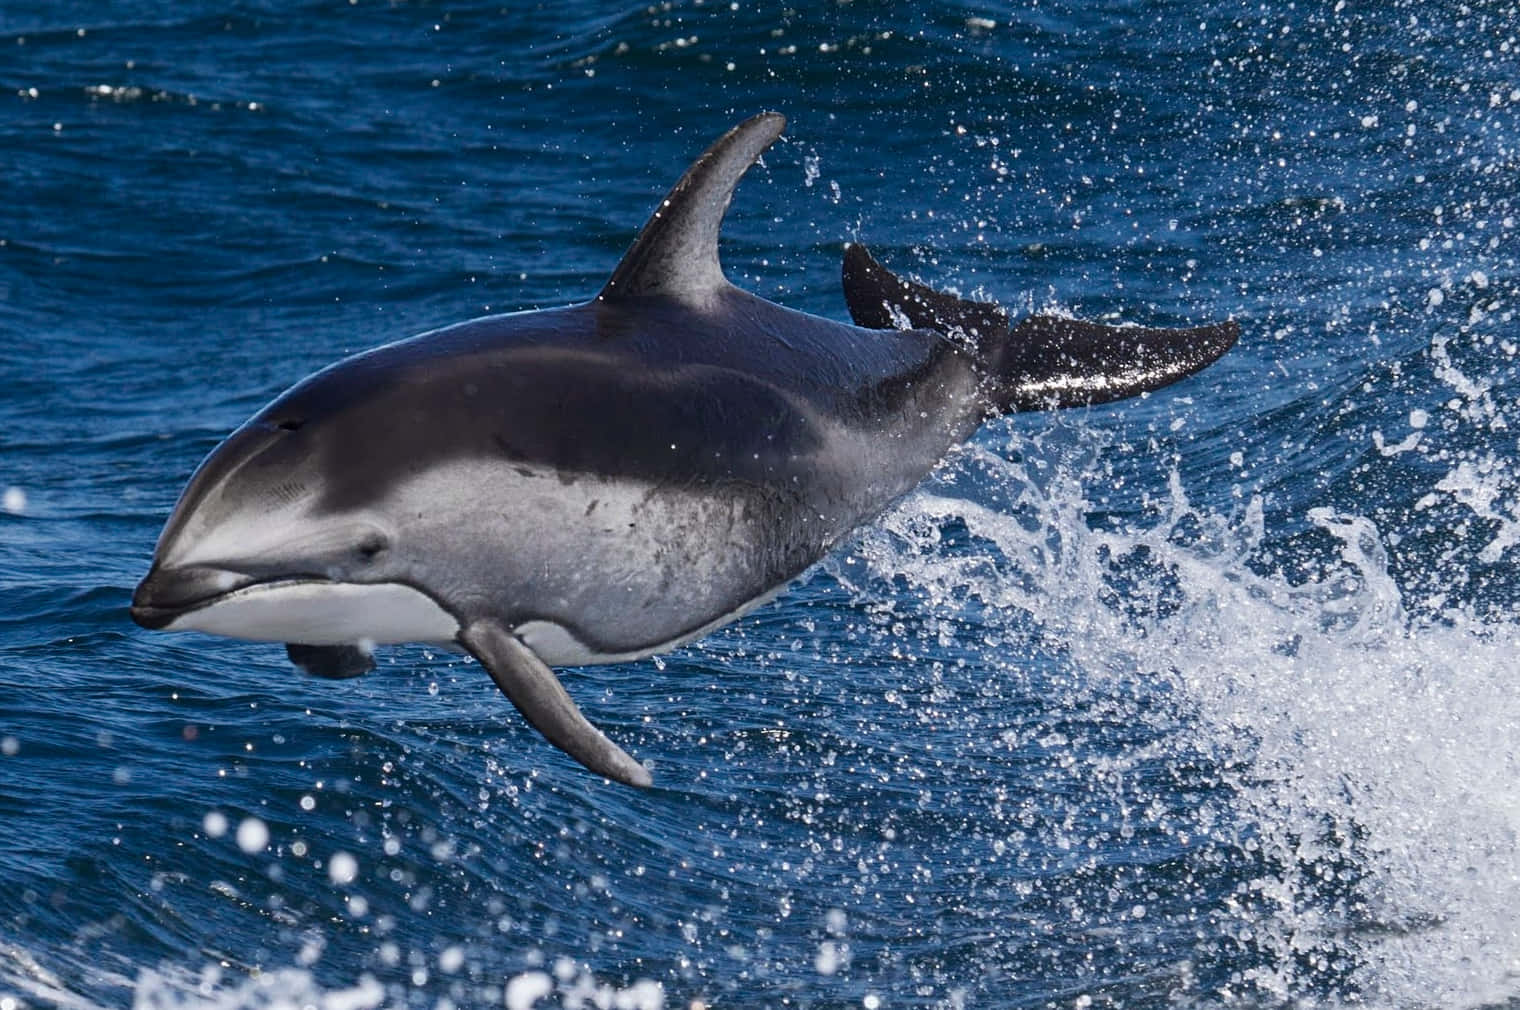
<point x="1376" y="746"/>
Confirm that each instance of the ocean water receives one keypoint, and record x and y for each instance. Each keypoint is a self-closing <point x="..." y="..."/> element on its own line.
<point x="1200" y="700"/>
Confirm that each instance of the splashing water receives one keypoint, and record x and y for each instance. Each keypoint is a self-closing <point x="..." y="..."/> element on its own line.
<point x="1371" y="753"/>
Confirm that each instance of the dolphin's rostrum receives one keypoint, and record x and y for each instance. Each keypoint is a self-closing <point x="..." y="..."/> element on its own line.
<point x="604" y="481"/>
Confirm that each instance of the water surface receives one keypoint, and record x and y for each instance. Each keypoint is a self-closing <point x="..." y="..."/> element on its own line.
<point x="1204" y="699"/>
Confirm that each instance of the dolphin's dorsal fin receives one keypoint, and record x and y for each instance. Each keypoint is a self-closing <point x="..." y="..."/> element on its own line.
<point x="676" y="253"/>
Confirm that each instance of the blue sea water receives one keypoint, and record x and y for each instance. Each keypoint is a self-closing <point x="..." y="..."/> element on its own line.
<point x="1204" y="699"/>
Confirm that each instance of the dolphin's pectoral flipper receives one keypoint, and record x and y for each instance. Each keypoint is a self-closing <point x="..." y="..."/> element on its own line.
<point x="335" y="662"/>
<point x="531" y="686"/>
<point x="1044" y="361"/>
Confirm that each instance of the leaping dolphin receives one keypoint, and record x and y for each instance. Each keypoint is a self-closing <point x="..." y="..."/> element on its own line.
<point x="608" y="480"/>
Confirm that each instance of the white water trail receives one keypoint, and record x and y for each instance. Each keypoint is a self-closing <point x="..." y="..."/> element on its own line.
<point x="1381" y="750"/>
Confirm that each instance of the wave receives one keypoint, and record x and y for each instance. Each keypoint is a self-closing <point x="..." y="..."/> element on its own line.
<point x="1368" y="753"/>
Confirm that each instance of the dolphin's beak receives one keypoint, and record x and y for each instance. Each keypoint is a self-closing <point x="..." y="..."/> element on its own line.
<point x="168" y="592"/>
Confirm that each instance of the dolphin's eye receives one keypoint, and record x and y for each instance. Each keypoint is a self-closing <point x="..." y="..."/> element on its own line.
<point x="371" y="547"/>
<point x="292" y="424"/>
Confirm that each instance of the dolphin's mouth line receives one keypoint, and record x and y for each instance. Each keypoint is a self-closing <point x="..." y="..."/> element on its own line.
<point x="158" y="616"/>
<point x="301" y="608"/>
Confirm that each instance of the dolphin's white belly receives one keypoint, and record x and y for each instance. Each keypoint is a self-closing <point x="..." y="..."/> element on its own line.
<point x="323" y="613"/>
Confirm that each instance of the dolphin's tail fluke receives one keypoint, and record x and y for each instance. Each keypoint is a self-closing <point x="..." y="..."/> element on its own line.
<point x="1043" y="361"/>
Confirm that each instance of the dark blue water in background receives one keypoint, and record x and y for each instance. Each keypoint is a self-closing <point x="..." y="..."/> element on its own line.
<point x="1201" y="700"/>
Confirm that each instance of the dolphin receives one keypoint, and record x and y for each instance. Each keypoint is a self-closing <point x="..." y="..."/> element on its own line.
<point x="611" y="479"/>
